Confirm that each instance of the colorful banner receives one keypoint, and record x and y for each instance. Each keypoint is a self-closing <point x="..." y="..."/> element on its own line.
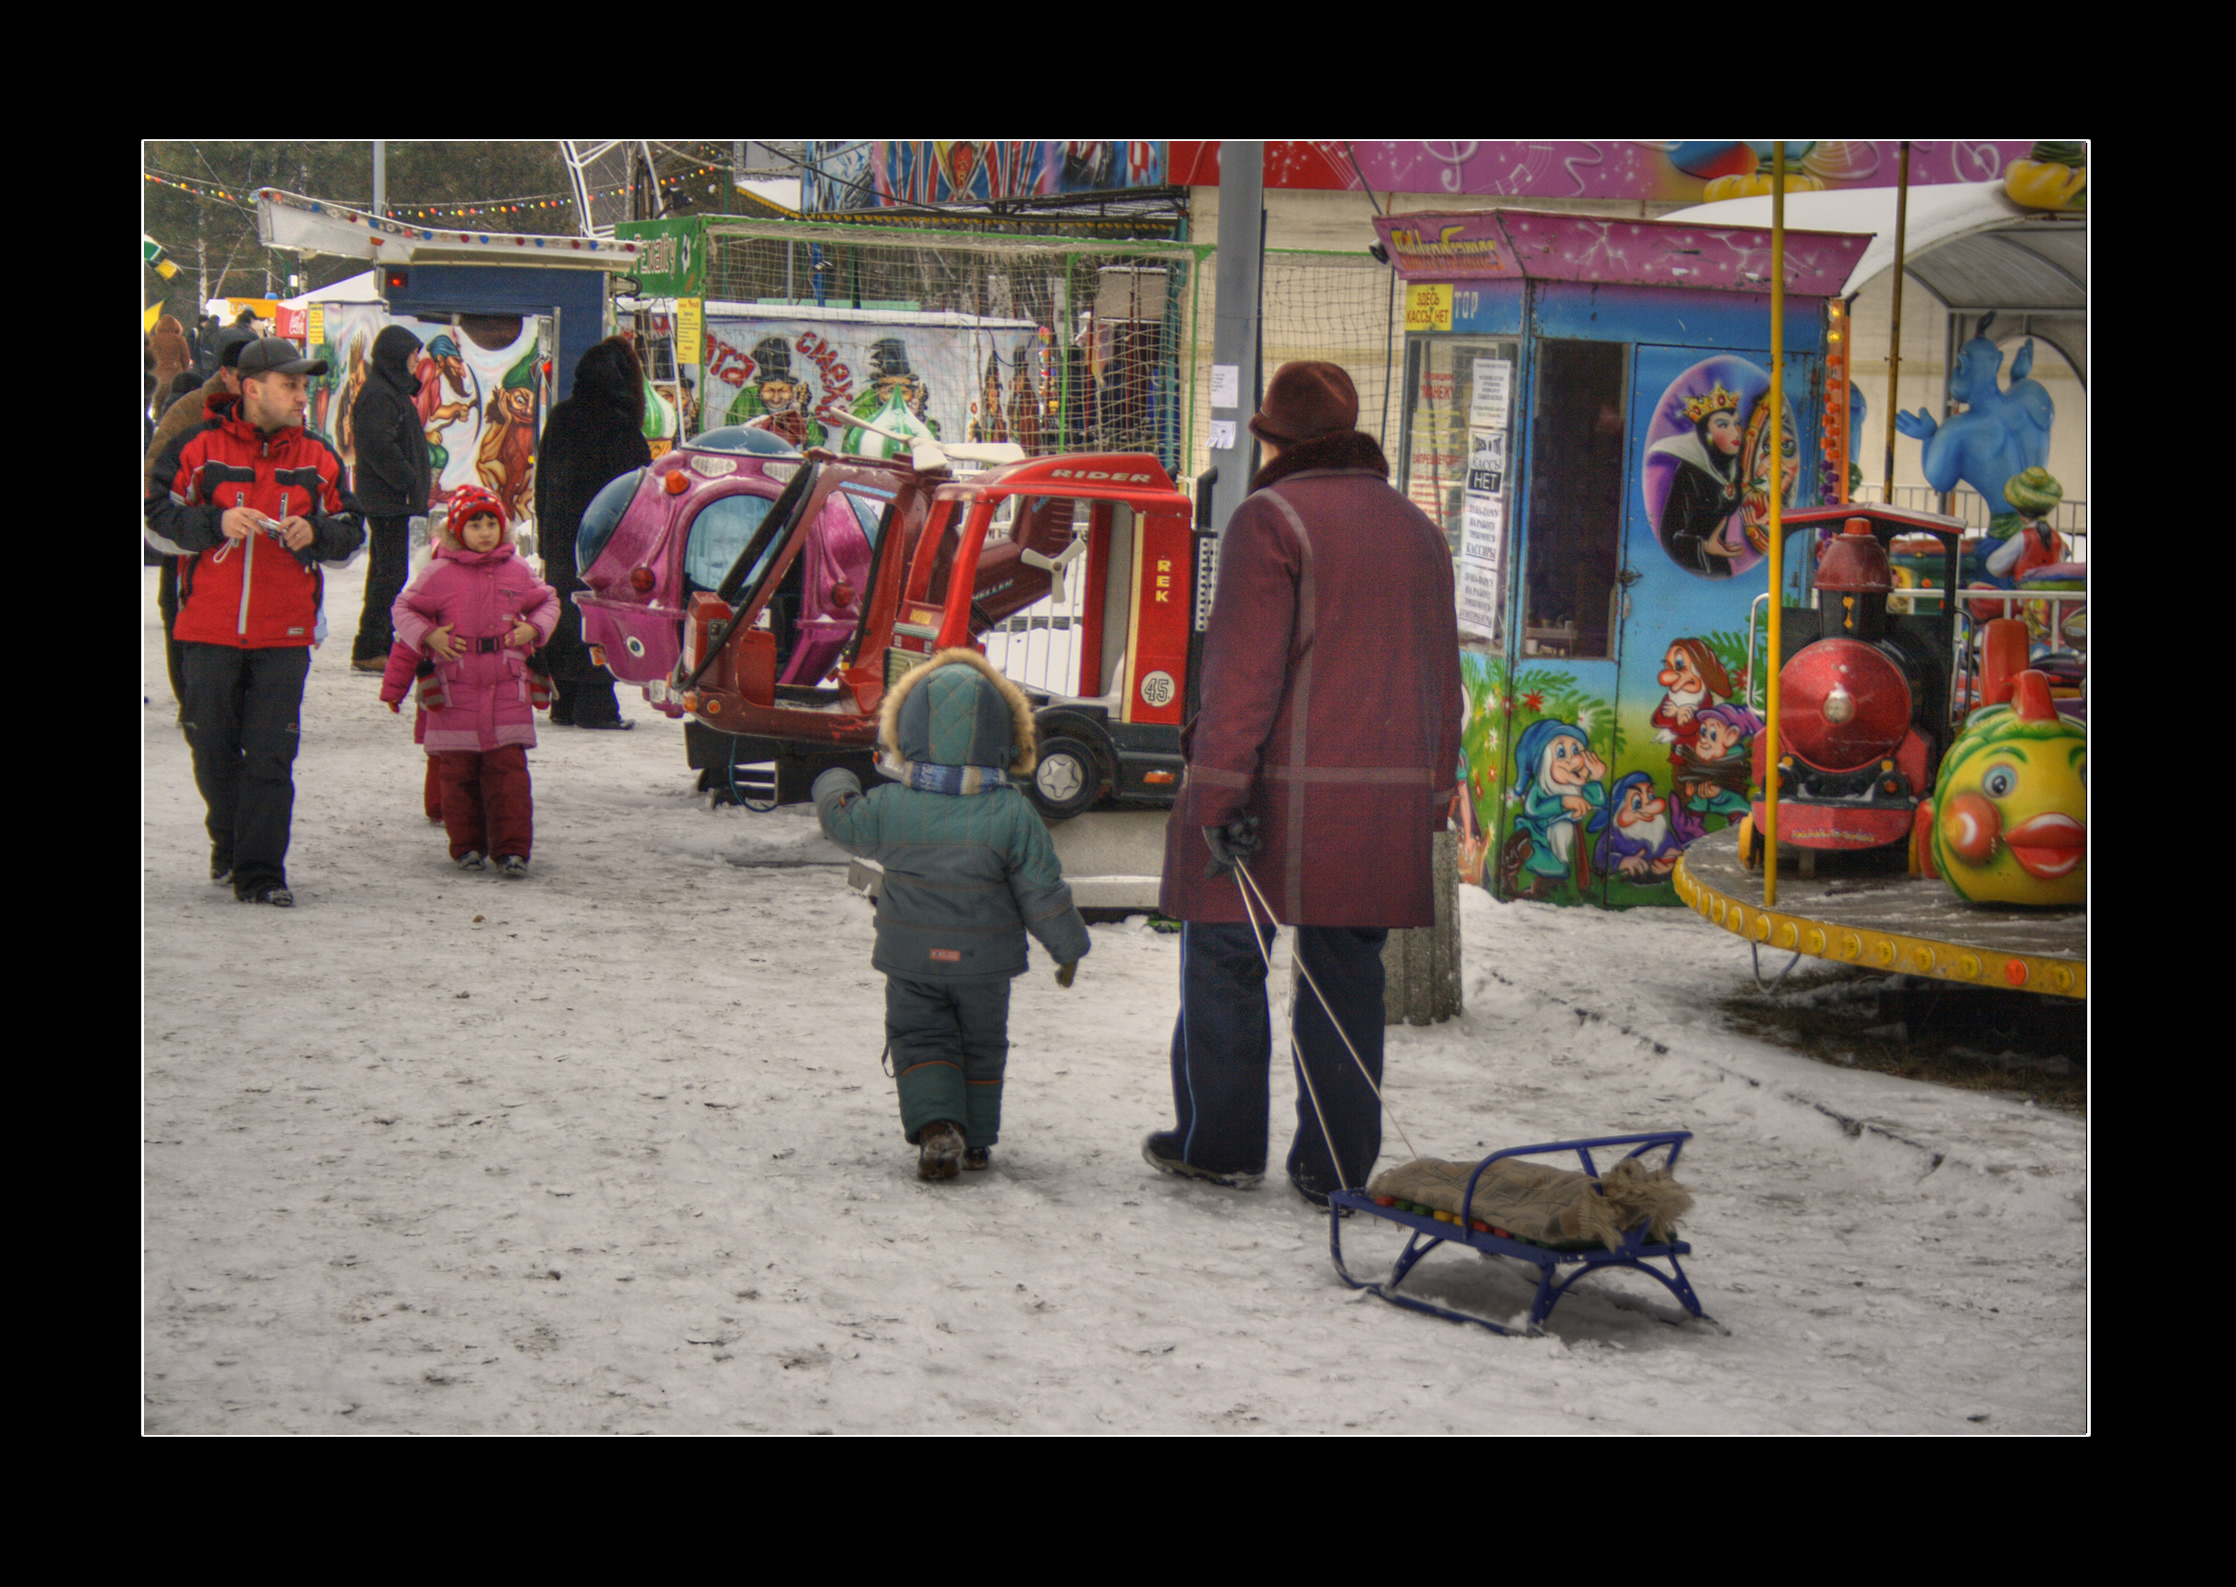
<point x="816" y="379"/>
<point x="881" y="173"/>
<point x="1693" y="170"/>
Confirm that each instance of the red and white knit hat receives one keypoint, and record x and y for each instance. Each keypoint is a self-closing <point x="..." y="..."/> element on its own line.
<point x="471" y="501"/>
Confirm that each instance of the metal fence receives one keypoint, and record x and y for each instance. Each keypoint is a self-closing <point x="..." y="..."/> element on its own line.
<point x="1970" y="508"/>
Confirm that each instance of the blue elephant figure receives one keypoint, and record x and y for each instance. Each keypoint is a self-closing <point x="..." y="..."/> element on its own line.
<point x="2006" y="430"/>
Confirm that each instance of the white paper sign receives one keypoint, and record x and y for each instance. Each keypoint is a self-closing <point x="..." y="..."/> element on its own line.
<point x="1476" y="597"/>
<point x="1482" y="528"/>
<point x="1487" y="403"/>
<point x="1222" y="435"/>
<point x="1226" y="386"/>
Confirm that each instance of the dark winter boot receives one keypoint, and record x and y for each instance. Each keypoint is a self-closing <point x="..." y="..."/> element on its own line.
<point x="977" y="1158"/>
<point x="939" y="1151"/>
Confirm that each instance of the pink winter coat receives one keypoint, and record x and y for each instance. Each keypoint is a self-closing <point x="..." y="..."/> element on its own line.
<point x="480" y="595"/>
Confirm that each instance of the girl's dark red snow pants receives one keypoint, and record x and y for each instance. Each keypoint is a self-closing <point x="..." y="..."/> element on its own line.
<point x="487" y="806"/>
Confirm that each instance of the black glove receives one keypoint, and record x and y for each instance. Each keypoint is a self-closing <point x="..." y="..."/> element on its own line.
<point x="1237" y="841"/>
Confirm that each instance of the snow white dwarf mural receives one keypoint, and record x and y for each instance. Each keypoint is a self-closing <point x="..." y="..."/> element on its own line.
<point x="1709" y="465"/>
<point x="1595" y="804"/>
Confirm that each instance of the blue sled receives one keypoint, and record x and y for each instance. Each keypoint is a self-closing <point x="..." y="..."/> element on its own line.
<point x="1632" y="1253"/>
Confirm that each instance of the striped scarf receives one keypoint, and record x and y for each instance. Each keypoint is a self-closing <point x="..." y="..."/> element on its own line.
<point x="930" y="777"/>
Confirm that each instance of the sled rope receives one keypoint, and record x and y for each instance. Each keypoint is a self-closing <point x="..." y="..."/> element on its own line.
<point x="1248" y="885"/>
<point x="1297" y="1052"/>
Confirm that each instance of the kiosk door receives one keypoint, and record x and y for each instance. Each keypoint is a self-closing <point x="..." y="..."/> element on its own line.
<point x="1702" y="449"/>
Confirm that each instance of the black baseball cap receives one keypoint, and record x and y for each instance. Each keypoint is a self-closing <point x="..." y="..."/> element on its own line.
<point x="276" y="355"/>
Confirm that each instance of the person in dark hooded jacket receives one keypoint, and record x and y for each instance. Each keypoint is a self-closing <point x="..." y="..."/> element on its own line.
<point x="395" y="478"/>
<point x="968" y="870"/>
<point x="592" y="438"/>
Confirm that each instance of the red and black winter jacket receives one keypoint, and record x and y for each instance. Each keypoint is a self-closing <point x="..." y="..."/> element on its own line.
<point x="252" y="593"/>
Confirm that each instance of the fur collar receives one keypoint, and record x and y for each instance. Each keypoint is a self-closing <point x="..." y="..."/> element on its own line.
<point x="1346" y="449"/>
<point x="1026" y="739"/>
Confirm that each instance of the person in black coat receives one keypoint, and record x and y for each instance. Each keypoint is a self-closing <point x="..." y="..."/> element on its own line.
<point x="395" y="478"/>
<point x="592" y="438"/>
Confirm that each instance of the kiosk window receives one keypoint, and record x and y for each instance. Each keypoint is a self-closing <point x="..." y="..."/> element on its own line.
<point x="1575" y="500"/>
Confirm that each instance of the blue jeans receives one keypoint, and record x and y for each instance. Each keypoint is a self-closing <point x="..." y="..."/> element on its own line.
<point x="1222" y="1049"/>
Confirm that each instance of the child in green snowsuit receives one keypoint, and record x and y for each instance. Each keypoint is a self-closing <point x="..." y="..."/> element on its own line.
<point x="969" y="869"/>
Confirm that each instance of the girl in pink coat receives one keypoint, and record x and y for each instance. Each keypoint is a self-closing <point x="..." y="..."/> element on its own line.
<point x="477" y="612"/>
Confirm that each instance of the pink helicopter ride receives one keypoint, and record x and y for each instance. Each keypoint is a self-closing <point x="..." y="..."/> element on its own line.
<point x="655" y="535"/>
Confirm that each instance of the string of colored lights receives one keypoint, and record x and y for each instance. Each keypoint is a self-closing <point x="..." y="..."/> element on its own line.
<point x="502" y="206"/>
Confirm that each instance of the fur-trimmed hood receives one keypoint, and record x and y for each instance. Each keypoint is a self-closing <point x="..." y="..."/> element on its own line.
<point x="953" y="737"/>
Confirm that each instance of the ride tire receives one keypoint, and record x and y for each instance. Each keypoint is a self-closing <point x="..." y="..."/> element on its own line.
<point x="1068" y="779"/>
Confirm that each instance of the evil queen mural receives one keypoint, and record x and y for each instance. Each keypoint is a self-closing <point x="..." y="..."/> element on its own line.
<point x="1709" y="463"/>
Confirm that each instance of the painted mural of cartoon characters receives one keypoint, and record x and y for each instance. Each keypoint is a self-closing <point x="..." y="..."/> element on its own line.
<point x="2000" y="433"/>
<point x="896" y="393"/>
<point x="1636" y="838"/>
<point x="1714" y="771"/>
<point x="1755" y="505"/>
<point x="444" y="371"/>
<point x="506" y="458"/>
<point x="1561" y="784"/>
<point x="1695" y="521"/>
<point x="1692" y="679"/>
<point x="1707" y="467"/>
<point x="352" y="382"/>
<point x="778" y="399"/>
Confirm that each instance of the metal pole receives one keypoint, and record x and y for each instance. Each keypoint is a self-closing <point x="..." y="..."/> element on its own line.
<point x="1776" y="429"/>
<point x="1894" y="340"/>
<point x="380" y="177"/>
<point x="1235" y="327"/>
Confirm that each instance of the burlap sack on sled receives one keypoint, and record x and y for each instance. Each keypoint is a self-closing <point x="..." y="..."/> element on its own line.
<point x="1554" y="1206"/>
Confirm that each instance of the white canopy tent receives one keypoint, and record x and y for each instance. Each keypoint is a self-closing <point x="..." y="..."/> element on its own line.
<point x="1967" y="245"/>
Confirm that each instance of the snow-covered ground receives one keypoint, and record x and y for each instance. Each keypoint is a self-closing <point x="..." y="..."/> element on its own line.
<point x="609" y="1150"/>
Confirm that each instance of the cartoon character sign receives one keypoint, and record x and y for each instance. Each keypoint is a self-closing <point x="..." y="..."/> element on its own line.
<point x="897" y="399"/>
<point x="778" y="392"/>
<point x="447" y="394"/>
<point x="1636" y="837"/>
<point x="1559" y="787"/>
<point x="506" y="458"/>
<point x="1709" y="455"/>
<point x="352" y="384"/>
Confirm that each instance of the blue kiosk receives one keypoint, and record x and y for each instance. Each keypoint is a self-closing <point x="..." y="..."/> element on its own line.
<point x="1587" y="415"/>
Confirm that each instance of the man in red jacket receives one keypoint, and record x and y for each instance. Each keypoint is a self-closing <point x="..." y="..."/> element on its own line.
<point x="1324" y="758"/>
<point x="250" y="502"/>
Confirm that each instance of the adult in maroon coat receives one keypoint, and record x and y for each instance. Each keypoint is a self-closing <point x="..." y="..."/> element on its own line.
<point x="1324" y="755"/>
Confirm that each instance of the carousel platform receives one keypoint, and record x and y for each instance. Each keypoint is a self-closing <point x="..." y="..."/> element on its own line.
<point x="1910" y="925"/>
